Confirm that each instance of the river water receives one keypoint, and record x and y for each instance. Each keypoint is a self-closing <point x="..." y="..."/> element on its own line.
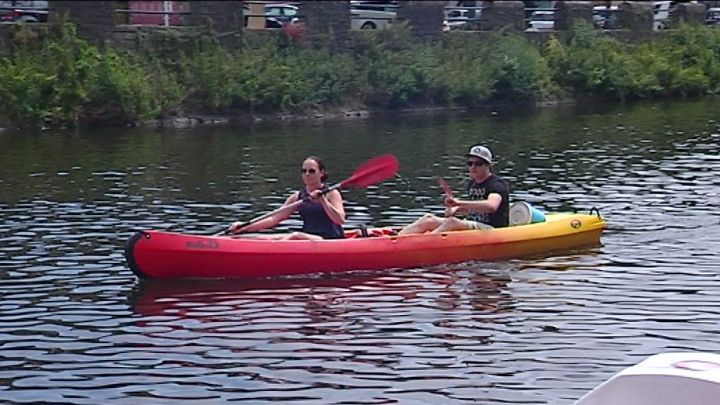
<point x="76" y="326"/>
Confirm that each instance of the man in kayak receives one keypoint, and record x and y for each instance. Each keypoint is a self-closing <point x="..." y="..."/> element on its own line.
<point x="323" y="213"/>
<point x="486" y="207"/>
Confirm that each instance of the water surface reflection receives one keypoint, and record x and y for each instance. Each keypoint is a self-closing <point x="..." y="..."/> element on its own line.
<point x="77" y="327"/>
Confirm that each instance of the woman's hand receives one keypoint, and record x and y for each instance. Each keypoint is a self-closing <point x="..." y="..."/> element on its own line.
<point x="236" y="228"/>
<point x="314" y="195"/>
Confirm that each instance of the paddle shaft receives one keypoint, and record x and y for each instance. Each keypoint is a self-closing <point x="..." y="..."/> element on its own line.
<point x="446" y="188"/>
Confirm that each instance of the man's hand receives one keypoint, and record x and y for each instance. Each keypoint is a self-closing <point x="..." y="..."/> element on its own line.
<point x="451" y="201"/>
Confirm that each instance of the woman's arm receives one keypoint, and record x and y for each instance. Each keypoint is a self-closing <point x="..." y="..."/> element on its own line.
<point x="333" y="205"/>
<point x="270" y="221"/>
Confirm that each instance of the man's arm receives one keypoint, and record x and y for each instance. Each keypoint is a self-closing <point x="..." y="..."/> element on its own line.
<point x="490" y="205"/>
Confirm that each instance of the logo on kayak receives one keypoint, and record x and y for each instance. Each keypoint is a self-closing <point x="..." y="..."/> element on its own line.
<point x="575" y="223"/>
<point x="202" y="244"/>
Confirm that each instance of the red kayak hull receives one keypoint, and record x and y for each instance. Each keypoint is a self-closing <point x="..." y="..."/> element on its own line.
<point x="157" y="254"/>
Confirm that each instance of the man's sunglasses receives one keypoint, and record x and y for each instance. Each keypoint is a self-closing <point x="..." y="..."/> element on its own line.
<point x="476" y="163"/>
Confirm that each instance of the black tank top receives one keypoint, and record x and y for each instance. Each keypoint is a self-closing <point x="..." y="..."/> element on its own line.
<point x="316" y="221"/>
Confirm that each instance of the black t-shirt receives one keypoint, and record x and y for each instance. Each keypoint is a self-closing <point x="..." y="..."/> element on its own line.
<point x="480" y="191"/>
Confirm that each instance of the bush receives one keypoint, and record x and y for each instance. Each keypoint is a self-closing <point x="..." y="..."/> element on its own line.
<point x="47" y="81"/>
<point x="459" y="78"/>
<point x="591" y="63"/>
<point x="122" y="91"/>
<point x="395" y="70"/>
<point x="58" y="79"/>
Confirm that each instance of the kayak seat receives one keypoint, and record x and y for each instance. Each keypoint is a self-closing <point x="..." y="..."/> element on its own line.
<point x="364" y="232"/>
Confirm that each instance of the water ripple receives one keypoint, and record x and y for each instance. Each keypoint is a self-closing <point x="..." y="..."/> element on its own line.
<point x="77" y="327"/>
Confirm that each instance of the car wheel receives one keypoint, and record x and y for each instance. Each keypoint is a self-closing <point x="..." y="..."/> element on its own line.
<point x="27" y="18"/>
<point x="368" y="26"/>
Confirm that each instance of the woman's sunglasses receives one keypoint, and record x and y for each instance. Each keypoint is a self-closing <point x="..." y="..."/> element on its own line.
<point x="310" y="171"/>
<point x="476" y="163"/>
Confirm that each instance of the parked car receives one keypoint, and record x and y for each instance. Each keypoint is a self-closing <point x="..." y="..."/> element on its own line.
<point x="541" y="20"/>
<point x="661" y="13"/>
<point x="713" y="16"/>
<point x="23" y="11"/>
<point x="456" y="19"/>
<point x="605" y="17"/>
<point x="370" y="15"/>
<point x="460" y="19"/>
<point x="276" y="15"/>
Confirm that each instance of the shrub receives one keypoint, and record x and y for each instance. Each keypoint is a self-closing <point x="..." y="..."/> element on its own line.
<point x="57" y="79"/>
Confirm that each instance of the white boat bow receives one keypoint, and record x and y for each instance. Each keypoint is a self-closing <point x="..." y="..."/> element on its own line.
<point x="663" y="379"/>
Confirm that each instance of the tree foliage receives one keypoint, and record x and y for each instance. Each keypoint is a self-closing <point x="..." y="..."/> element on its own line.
<point x="58" y="79"/>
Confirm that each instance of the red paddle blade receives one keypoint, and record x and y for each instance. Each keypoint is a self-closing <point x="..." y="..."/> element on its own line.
<point x="373" y="171"/>
<point x="445" y="187"/>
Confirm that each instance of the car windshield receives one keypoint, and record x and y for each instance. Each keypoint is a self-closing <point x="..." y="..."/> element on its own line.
<point x="374" y="5"/>
<point x="543" y="17"/>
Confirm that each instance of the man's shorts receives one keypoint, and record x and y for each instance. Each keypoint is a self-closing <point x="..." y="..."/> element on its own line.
<point x="474" y="225"/>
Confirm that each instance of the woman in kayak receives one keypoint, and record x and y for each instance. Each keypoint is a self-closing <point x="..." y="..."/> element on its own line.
<point x="323" y="213"/>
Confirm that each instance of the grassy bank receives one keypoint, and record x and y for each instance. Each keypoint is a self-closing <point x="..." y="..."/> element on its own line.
<point x="61" y="80"/>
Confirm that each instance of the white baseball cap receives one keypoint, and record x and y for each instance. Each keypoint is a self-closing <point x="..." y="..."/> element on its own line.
<point x="481" y="152"/>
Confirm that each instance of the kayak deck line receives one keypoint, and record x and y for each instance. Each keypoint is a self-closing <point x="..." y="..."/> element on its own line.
<point x="158" y="254"/>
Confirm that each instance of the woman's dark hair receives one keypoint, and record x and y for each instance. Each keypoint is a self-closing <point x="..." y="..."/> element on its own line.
<point x="321" y="166"/>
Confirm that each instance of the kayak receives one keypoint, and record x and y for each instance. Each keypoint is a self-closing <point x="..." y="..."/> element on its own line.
<point x="159" y="254"/>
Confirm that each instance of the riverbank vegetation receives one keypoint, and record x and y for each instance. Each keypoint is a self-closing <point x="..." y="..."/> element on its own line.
<point x="60" y="80"/>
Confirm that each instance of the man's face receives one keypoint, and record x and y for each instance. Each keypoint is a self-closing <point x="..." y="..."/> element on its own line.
<point x="477" y="167"/>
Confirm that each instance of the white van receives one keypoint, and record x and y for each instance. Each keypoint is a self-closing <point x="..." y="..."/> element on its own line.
<point x="371" y="15"/>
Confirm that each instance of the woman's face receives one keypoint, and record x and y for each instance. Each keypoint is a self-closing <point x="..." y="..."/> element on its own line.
<point x="311" y="173"/>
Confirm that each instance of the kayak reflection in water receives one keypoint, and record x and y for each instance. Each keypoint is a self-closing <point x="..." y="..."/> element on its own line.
<point x="487" y="204"/>
<point x="322" y="212"/>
